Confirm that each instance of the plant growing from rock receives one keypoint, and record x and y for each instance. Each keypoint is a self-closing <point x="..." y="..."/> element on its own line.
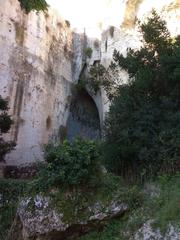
<point x="30" y="5"/>
<point x="5" y="125"/>
<point x="100" y="77"/>
<point x="96" y="77"/>
<point x="88" y="52"/>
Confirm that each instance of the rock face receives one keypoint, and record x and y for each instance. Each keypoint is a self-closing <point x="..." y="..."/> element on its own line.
<point x="146" y="232"/>
<point x="36" y="75"/>
<point x="41" y="58"/>
<point x="37" y="220"/>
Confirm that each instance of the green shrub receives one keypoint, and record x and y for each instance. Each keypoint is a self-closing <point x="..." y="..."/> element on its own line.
<point x="71" y="164"/>
<point x="88" y="52"/>
<point x="29" y="5"/>
<point x="96" y="75"/>
<point x="81" y="85"/>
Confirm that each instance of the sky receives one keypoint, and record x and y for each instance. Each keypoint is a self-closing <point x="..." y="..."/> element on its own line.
<point x="88" y="13"/>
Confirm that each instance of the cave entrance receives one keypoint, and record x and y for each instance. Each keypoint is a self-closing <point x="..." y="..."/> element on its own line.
<point x="83" y="120"/>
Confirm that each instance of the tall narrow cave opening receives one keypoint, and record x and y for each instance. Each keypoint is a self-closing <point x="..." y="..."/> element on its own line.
<point x="83" y="120"/>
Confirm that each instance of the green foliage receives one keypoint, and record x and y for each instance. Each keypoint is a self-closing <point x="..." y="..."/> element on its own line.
<point x="142" y="129"/>
<point x="76" y="204"/>
<point x="29" y="5"/>
<point x="70" y="164"/>
<point x="82" y="83"/>
<point x="95" y="80"/>
<point x="99" y="77"/>
<point x="10" y="192"/>
<point x="168" y="202"/>
<point x="5" y="125"/>
<point x="88" y="52"/>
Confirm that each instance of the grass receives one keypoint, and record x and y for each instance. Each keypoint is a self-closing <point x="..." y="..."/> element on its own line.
<point x="168" y="203"/>
<point x="10" y="192"/>
<point x="163" y="208"/>
<point x="75" y="203"/>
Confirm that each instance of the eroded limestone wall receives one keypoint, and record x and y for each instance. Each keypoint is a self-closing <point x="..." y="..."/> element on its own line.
<point x="35" y="75"/>
<point x="40" y="60"/>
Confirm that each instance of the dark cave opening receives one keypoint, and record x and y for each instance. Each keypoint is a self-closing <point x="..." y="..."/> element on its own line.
<point x="83" y="120"/>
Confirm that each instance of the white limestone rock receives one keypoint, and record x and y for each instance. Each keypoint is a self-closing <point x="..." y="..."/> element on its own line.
<point x="39" y="220"/>
<point x="146" y="232"/>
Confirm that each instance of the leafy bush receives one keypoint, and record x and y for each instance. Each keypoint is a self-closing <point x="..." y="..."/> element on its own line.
<point x="96" y="76"/>
<point x="70" y="164"/>
<point x="29" y="5"/>
<point x="100" y="77"/>
<point x="88" y="52"/>
<point x="5" y="125"/>
<point x="142" y="129"/>
<point x="82" y="83"/>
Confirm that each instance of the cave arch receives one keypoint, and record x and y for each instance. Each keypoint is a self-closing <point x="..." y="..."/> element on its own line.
<point x="83" y="120"/>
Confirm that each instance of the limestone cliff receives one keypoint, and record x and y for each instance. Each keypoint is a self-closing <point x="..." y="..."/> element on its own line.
<point x="41" y="58"/>
<point x="36" y="75"/>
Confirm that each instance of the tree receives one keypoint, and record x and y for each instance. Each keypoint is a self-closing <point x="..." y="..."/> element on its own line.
<point x="5" y="125"/>
<point x="142" y="129"/>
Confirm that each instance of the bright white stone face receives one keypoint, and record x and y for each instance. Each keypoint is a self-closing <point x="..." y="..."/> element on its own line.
<point x="89" y="14"/>
<point x="96" y="15"/>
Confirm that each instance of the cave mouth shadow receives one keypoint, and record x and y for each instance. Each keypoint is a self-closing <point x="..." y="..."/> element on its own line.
<point x="83" y="120"/>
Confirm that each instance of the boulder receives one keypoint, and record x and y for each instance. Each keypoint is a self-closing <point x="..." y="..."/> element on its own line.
<point x="38" y="219"/>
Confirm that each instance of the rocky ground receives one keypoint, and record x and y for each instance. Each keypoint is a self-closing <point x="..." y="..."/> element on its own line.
<point x="112" y="211"/>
